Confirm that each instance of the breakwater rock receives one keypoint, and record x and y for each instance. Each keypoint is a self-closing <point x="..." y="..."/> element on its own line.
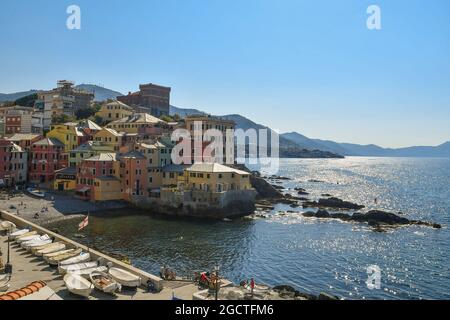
<point x="334" y="203"/>
<point x="375" y="218"/>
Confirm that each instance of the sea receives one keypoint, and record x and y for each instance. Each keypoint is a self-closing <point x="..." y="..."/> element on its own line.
<point x="312" y="255"/>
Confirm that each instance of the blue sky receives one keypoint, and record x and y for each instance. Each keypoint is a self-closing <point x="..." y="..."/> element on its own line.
<point x="306" y="66"/>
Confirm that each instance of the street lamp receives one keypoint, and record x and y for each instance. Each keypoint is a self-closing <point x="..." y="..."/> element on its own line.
<point x="8" y="265"/>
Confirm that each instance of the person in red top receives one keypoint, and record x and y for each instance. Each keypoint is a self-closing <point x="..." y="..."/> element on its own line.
<point x="252" y="284"/>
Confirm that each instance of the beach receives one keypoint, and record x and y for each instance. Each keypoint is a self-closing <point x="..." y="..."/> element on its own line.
<point x="54" y="207"/>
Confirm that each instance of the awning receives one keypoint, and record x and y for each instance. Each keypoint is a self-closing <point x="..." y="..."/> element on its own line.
<point x="84" y="189"/>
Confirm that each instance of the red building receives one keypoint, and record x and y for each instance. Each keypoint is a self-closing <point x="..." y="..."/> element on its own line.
<point x="150" y="98"/>
<point x="13" y="124"/>
<point x="101" y="167"/>
<point x="13" y="164"/>
<point x="46" y="158"/>
<point x="134" y="175"/>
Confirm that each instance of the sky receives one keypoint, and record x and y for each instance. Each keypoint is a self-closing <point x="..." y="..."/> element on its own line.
<point x="307" y="66"/>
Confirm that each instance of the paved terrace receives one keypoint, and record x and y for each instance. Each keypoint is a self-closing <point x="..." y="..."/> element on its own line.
<point x="28" y="268"/>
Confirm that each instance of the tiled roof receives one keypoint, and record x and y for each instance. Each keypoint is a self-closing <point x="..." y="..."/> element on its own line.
<point x="68" y="170"/>
<point x="104" y="157"/>
<point x="89" y="125"/>
<point x="139" y="118"/>
<point x="133" y="155"/>
<point x="49" y="142"/>
<point x="213" y="167"/>
<point x="30" y="289"/>
<point x="23" y="136"/>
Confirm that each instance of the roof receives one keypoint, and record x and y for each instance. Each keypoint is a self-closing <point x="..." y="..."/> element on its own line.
<point x="133" y="155"/>
<point x="83" y="147"/>
<point x="108" y="178"/>
<point x="88" y="124"/>
<point x="119" y="103"/>
<point x="49" y="142"/>
<point x="14" y="147"/>
<point x="113" y="132"/>
<point x="104" y="157"/>
<point x="213" y="167"/>
<point x="174" y="168"/>
<point x="139" y="118"/>
<point x="23" y="136"/>
<point x="68" y="170"/>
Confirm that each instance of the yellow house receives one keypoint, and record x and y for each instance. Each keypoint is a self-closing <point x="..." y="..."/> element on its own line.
<point x="69" y="134"/>
<point x="65" y="179"/>
<point x="109" y="138"/>
<point x="86" y="151"/>
<point x="215" y="177"/>
<point x="113" y="111"/>
<point x="137" y="123"/>
<point x="107" y="188"/>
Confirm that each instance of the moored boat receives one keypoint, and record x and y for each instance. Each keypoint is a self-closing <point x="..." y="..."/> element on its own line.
<point x="125" y="277"/>
<point x="56" y="259"/>
<point x="78" y="285"/>
<point x="86" y="272"/>
<point x="83" y="257"/>
<point x="36" y="192"/>
<point x="27" y="238"/>
<point x="50" y="248"/>
<point x="104" y="282"/>
<point x="42" y="240"/>
<point x="18" y="233"/>
<point x="56" y="253"/>
<point x="62" y="269"/>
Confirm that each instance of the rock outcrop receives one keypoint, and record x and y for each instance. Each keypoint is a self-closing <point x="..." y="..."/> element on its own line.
<point x="374" y="218"/>
<point x="333" y="203"/>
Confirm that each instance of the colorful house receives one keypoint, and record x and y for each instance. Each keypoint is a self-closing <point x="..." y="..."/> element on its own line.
<point x="13" y="163"/>
<point x="109" y="138"/>
<point x="25" y="140"/>
<point x="113" y="111"/>
<point x="65" y="179"/>
<point x="70" y="134"/>
<point x="136" y="123"/>
<point x="134" y="175"/>
<point x="46" y="158"/>
<point x="86" y="151"/>
<point x="98" y="178"/>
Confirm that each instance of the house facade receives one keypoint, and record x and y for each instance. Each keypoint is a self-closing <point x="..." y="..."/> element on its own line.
<point x="13" y="163"/>
<point x="46" y="157"/>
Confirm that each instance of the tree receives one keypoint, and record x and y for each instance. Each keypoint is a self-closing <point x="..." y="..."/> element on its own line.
<point x="61" y="118"/>
<point x="27" y="101"/>
<point x="166" y="118"/>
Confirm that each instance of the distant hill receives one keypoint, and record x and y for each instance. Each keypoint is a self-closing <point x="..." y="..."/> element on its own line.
<point x="101" y="93"/>
<point x="15" y="96"/>
<point x="371" y="150"/>
<point x="287" y="148"/>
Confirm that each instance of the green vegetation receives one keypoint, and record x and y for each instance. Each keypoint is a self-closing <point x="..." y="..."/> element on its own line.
<point x="27" y="101"/>
<point x="61" y="118"/>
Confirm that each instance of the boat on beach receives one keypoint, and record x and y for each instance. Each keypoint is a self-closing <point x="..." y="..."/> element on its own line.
<point x="18" y="233"/>
<point x="104" y="282"/>
<point x="62" y="269"/>
<point x="86" y="272"/>
<point x="27" y="238"/>
<point x="125" y="277"/>
<point x="78" y="285"/>
<point x="56" y="253"/>
<point x="36" y="192"/>
<point x="42" y="240"/>
<point x="49" y="248"/>
<point x="26" y="234"/>
<point x="83" y="257"/>
<point x="56" y="259"/>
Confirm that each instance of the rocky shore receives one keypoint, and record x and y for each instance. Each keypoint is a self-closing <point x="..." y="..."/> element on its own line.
<point x="271" y="193"/>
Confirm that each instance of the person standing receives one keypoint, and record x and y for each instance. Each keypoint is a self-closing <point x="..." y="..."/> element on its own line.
<point x="252" y="285"/>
